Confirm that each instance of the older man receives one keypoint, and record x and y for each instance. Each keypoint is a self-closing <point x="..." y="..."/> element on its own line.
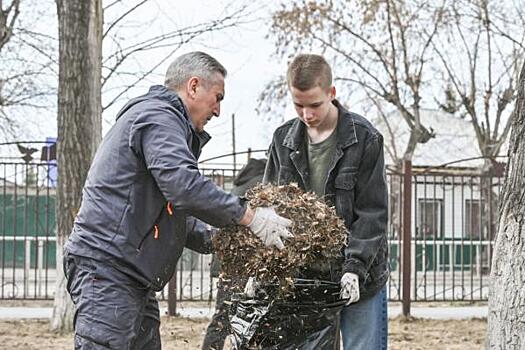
<point x="141" y="200"/>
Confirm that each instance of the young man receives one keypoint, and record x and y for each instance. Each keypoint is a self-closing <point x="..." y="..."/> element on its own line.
<point x="339" y="156"/>
<point x="140" y="202"/>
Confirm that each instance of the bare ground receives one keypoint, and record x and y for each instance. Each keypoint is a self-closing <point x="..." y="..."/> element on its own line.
<point x="181" y="333"/>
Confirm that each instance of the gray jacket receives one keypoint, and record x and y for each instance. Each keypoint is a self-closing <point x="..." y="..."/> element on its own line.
<point x="144" y="191"/>
<point x="356" y="186"/>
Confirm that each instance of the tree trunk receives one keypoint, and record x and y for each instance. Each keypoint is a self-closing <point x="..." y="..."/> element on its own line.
<point x="506" y="326"/>
<point x="79" y="124"/>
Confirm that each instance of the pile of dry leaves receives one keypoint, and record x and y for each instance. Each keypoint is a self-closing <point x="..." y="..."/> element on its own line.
<point x="319" y="234"/>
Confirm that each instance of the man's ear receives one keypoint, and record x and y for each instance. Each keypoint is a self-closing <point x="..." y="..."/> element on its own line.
<point x="191" y="86"/>
<point x="332" y="92"/>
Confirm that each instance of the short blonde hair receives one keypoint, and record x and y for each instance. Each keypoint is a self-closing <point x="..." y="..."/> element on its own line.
<point x="308" y="71"/>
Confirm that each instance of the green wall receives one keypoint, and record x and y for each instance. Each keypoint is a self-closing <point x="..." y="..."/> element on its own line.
<point x="28" y="216"/>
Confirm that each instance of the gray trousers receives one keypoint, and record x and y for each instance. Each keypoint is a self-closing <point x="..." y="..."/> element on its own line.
<point x="111" y="310"/>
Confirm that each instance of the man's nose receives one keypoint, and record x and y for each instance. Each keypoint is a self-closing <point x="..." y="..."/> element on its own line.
<point x="307" y="112"/>
<point x="217" y="110"/>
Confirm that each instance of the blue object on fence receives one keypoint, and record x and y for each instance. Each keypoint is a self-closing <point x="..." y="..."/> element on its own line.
<point x="49" y="155"/>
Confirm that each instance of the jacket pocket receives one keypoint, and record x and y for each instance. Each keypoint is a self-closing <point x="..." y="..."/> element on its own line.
<point x="345" y="181"/>
<point x="155" y="230"/>
<point x="161" y="248"/>
<point x="344" y="195"/>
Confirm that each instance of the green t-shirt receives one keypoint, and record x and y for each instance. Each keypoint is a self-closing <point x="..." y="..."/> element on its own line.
<point x="319" y="157"/>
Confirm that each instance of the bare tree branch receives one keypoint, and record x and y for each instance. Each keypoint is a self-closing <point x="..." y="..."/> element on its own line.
<point x="184" y="36"/>
<point x="392" y="150"/>
<point x="493" y="60"/>
<point x="379" y="55"/>
<point x="121" y="17"/>
<point x="273" y="94"/>
<point x="181" y="36"/>
<point x="143" y="76"/>
<point x="395" y="84"/>
<point x="8" y="19"/>
<point x="372" y="60"/>
<point x="111" y="4"/>
<point x="351" y="58"/>
<point x="45" y="53"/>
<point x="488" y="92"/>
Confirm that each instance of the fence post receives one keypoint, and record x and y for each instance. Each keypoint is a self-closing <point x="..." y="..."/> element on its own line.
<point x="27" y="266"/>
<point x="407" y="236"/>
<point x="172" y="295"/>
<point x="40" y="263"/>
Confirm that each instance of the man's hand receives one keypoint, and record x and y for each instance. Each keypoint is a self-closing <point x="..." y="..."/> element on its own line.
<point x="350" y="287"/>
<point x="270" y="227"/>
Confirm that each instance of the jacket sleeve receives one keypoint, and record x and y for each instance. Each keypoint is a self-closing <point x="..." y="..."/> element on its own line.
<point x="368" y="230"/>
<point x="199" y="235"/>
<point x="271" y="171"/>
<point x="161" y="137"/>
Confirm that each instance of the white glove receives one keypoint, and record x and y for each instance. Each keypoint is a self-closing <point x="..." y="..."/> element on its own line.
<point x="350" y="287"/>
<point x="270" y="227"/>
<point x="250" y="288"/>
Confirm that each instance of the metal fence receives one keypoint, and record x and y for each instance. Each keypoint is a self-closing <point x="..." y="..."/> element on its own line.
<point x="27" y="230"/>
<point x="452" y="227"/>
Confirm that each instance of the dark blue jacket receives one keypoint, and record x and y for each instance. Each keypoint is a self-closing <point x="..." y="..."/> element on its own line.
<point x="356" y="186"/>
<point x="144" y="191"/>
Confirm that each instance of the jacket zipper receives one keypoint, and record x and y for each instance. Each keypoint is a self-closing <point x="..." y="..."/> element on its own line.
<point x="156" y="230"/>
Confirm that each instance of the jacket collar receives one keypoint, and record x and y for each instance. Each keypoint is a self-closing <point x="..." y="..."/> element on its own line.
<point x="346" y="133"/>
<point x="170" y="96"/>
<point x="174" y="99"/>
<point x="203" y="137"/>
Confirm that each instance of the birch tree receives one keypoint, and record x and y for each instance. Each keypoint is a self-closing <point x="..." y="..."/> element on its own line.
<point x="506" y="326"/>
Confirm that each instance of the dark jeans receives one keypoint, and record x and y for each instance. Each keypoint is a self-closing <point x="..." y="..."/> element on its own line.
<point x="111" y="310"/>
<point x="219" y="326"/>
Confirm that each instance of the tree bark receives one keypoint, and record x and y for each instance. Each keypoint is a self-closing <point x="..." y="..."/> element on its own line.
<point x="506" y="322"/>
<point x="79" y="124"/>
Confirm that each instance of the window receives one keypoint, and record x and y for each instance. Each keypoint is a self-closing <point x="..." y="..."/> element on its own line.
<point x="472" y="222"/>
<point x="429" y="218"/>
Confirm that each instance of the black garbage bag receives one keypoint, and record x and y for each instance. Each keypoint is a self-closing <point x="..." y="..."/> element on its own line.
<point x="307" y="319"/>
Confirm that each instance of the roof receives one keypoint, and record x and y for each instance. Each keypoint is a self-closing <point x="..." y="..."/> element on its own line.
<point x="454" y="140"/>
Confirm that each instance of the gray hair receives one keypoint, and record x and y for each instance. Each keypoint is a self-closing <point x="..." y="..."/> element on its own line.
<point x="191" y="64"/>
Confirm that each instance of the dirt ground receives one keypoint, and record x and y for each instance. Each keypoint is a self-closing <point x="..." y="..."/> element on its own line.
<point x="181" y="333"/>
